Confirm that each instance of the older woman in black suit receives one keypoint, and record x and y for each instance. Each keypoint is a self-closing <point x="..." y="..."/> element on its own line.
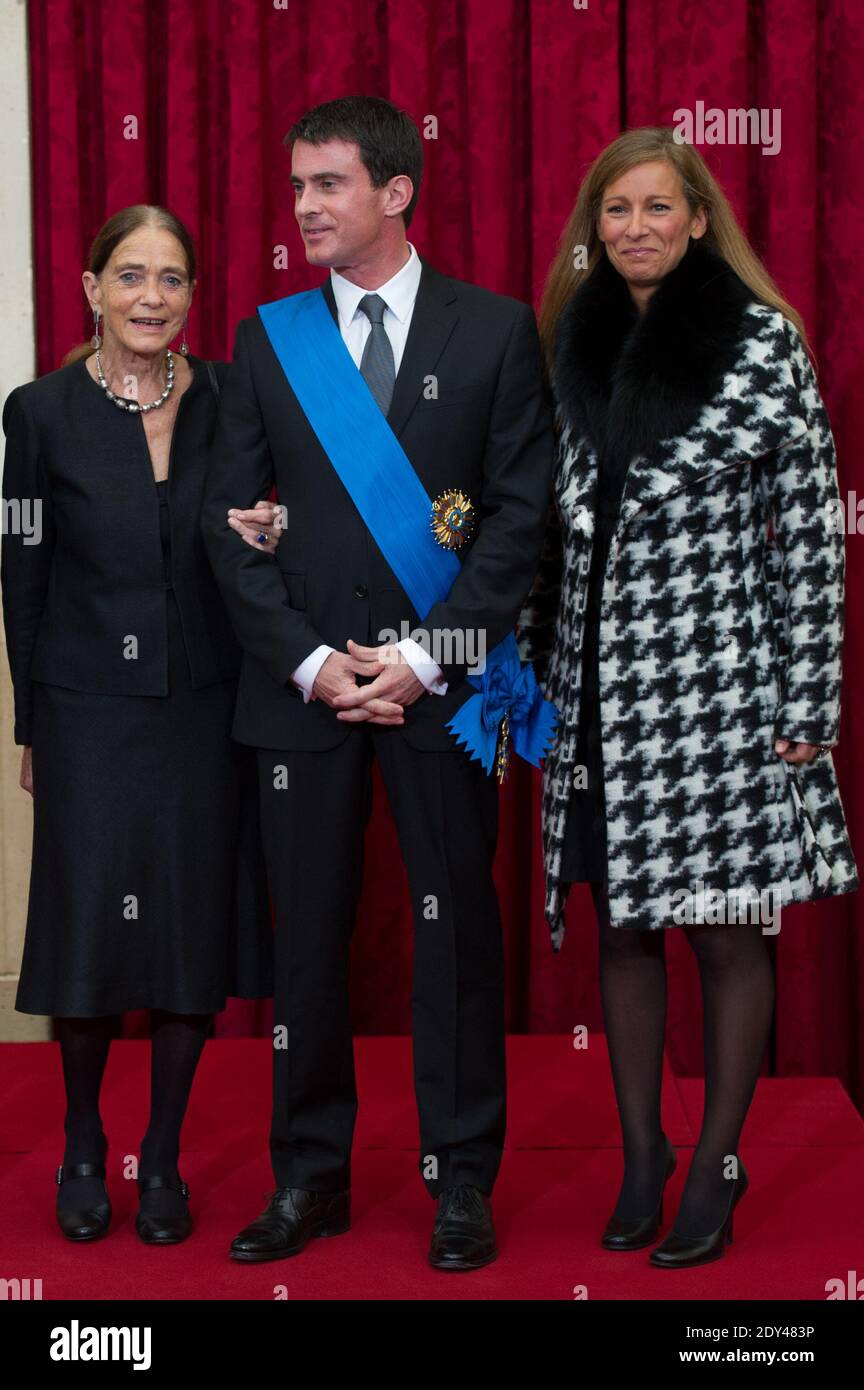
<point x="147" y="883"/>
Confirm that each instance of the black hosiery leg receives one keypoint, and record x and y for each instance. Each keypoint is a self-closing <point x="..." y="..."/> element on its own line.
<point x="177" y="1044"/>
<point x="738" y="1002"/>
<point x="633" y="990"/>
<point x="84" y="1045"/>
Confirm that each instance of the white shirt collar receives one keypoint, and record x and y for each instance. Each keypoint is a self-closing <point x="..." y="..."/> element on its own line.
<point x="398" y="293"/>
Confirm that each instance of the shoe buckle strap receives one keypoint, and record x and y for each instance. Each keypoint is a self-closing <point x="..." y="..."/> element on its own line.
<point x="79" y="1170"/>
<point x="158" y="1181"/>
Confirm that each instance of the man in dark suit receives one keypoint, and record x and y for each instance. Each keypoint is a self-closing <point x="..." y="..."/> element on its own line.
<point x="324" y="688"/>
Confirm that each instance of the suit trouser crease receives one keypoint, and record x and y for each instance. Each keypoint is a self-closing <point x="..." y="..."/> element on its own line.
<point x="445" y="810"/>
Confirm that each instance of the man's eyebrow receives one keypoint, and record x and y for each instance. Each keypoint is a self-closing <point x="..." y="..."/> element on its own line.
<point x="316" y="178"/>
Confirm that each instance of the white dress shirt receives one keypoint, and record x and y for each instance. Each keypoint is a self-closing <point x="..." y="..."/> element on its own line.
<point x="399" y="294"/>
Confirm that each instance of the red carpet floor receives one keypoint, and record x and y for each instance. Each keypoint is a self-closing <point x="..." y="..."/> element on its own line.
<point x="800" y="1225"/>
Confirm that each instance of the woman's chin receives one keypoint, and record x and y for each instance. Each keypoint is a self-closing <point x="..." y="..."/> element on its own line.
<point x="639" y="272"/>
<point x="145" y="346"/>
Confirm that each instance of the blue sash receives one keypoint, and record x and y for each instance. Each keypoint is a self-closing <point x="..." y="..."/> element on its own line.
<point x="382" y="483"/>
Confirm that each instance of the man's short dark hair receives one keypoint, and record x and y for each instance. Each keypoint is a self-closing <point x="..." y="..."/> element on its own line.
<point x="388" y="140"/>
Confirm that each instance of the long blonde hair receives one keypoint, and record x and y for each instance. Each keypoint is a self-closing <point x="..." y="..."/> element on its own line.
<point x="701" y="189"/>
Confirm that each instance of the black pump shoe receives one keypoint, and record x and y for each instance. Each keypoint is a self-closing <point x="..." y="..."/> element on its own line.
<point x="682" y="1252"/>
<point x="163" y="1230"/>
<point x="641" y="1231"/>
<point x="91" y="1222"/>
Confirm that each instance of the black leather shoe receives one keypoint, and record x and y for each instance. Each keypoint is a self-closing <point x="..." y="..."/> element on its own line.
<point x="89" y="1223"/>
<point x="463" y="1236"/>
<point x="292" y="1218"/>
<point x="682" y="1252"/>
<point x="641" y="1231"/>
<point x="163" y="1229"/>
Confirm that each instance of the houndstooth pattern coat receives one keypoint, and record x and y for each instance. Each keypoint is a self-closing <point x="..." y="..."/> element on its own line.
<point x="722" y="604"/>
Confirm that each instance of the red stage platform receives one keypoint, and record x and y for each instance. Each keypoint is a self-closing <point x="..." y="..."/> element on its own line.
<point x="799" y="1226"/>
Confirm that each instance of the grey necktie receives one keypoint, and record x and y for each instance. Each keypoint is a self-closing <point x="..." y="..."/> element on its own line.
<point x="377" y="367"/>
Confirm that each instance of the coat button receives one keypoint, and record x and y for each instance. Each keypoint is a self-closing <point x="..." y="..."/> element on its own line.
<point x="360" y="591"/>
<point x="701" y="633"/>
<point x="693" y="523"/>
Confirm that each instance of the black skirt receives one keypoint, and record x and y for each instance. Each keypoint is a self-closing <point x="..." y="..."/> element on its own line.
<point x="147" y="885"/>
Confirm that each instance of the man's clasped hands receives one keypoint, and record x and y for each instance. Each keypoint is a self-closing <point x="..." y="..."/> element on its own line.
<point x="392" y="684"/>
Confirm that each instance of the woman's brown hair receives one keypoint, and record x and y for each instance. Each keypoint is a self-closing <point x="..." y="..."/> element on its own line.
<point x="701" y="189"/>
<point x="115" y="230"/>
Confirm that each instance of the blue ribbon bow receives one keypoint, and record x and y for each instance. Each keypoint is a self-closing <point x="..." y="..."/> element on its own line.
<point x="506" y="688"/>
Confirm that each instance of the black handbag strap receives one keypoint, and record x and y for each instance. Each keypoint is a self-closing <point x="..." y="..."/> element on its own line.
<point x="214" y="380"/>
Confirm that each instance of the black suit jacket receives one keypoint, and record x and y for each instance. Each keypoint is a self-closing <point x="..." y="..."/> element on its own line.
<point x="488" y="433"/>
<point x="96" y="577"/>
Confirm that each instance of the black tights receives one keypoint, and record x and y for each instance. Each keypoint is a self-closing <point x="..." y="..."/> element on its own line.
<point x="738" y="1001"/>
<point x="177" y="1042"/>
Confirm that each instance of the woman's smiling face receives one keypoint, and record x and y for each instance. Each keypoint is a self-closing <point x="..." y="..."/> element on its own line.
<point x="144" y="291"/>
<point x="645" y="224"/>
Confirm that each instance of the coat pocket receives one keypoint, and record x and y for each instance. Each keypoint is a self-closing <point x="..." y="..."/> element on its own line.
<point x="820" y="870"/>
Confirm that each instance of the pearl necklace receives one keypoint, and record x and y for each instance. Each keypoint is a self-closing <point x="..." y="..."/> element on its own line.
<point x="123" y="401"/>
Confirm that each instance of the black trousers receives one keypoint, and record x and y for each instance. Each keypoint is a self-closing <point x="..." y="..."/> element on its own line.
<point x="314" y="811"/>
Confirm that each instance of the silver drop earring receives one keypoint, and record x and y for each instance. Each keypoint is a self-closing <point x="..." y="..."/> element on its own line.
<point x="184" y="346"/>
<point x="96" y="340"/>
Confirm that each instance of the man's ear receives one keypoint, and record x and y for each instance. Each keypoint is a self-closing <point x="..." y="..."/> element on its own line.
<point x="400" y="191"/>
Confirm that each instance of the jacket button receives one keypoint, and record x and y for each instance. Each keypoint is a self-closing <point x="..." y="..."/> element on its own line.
<point x="360" y="591"/>
<point x="692" y="523"/>
<point x="701" y="633"/>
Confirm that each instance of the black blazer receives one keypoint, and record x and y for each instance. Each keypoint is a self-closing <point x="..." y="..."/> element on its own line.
<point x="489" y="433"/>
<point x="95" y="579"/>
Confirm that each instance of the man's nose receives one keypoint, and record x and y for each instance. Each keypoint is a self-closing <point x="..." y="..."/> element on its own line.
<point x="307" y="203"/>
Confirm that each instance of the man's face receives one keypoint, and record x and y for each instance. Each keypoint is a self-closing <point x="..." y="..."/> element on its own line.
<point x="340" y="214"/>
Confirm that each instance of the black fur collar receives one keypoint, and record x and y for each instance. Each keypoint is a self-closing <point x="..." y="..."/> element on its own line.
<point x="630" y="380"/>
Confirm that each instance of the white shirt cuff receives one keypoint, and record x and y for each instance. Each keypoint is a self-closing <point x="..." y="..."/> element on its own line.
<point x="307" y="672"/>
<point x="424" y="668"/>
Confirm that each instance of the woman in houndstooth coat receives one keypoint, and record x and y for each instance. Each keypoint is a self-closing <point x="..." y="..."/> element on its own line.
<point x="687" y="624"/>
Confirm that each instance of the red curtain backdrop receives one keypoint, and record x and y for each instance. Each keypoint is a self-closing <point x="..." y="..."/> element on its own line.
<point x="517" y="99"/>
